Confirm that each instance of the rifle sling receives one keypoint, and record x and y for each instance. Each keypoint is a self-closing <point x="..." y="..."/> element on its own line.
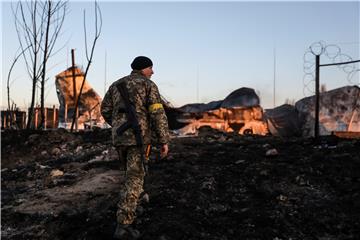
<point x="132" y="122"/>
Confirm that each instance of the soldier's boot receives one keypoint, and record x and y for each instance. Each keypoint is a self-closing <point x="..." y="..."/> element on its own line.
<point x="125" y="232"/>
<point x="144" y="198"/>
<point x="135" y="234"/>
<point x="120" y="232"/>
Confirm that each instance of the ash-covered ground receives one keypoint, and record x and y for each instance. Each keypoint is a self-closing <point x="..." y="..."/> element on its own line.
<point x="58" y="185"/>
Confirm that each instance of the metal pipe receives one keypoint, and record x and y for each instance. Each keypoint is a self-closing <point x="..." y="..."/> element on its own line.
<point x="340" y="63"/>
<point x="317" y="96"/>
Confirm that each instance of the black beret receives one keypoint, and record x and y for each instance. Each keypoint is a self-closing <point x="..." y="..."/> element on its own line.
<point x="141" y="62"/>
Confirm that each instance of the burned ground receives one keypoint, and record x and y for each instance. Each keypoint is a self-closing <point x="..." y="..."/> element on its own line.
<point x="58" y="185"/>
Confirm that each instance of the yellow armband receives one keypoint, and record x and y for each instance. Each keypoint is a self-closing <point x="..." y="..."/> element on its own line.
<point x="155" y="107"/>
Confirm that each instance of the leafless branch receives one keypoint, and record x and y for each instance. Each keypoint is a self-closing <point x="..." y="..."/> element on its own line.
<point x="89" y="59"/>
<point x="16" y="58"/>
<point x="38" y="25"/>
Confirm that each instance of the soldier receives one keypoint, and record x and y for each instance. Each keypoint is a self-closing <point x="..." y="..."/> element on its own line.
<point x="135" y="94"/>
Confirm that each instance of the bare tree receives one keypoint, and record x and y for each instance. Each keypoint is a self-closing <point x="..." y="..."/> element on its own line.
<point x="98" y="25"/>
<point x="8" y="84"/>
<point x="38" y="26"/>
<point x="55" y="19"/>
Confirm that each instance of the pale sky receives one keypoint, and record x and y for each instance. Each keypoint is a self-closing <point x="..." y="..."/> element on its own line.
<point x="202" y="51"/>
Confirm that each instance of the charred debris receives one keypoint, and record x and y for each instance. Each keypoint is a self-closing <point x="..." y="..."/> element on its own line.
<point x="269" y="180"/>
<point x="216" y="185"/>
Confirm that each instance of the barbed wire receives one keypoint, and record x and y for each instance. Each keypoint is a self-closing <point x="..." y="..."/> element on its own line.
<point x="334" y="54"/>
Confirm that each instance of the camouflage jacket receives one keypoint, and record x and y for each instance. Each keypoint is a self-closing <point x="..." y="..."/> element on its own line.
<point x="144" y="95"/>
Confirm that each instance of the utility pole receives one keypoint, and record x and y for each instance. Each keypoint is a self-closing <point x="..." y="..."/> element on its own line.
<point x="197" y="84"/>
<point x="274" y="93"/>
<point x="105" y="74"/>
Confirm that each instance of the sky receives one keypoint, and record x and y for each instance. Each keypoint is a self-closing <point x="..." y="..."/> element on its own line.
<point x="202" y="51"/>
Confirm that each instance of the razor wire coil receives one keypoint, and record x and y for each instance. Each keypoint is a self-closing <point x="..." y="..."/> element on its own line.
<point x="334" y="54"/>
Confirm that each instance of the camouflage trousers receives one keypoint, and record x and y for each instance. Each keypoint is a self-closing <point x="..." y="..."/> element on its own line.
<point x="130" y="157"/>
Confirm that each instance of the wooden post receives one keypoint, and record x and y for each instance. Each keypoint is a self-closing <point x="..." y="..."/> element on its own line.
<point x="24" y="121"/>
<point x="91" y="123"/>
<point x="77" y="119"/>
<point x="45" y="120"/>
<point x="7" y="116"/>
<point x="13" y="117"/>
<point x="4" y="118"/>
<point x="66" y="111"/>
<point x="54" y="117"/>
<point x="36" y="118"/>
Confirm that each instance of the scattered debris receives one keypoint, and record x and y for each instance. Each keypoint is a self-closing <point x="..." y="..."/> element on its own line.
<point x="214" y="186"/>
<point x="271" y="152"/>
<point x="56" y="173"/>
<point x="347" y="134"/>
<point x="239" y="161"/>
<point x="56" y="151"/>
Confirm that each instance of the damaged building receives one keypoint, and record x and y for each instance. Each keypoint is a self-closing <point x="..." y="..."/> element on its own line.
<point x="241" y="112"/>
<point x="68" y="84"/>
<point x="339" y="111"/>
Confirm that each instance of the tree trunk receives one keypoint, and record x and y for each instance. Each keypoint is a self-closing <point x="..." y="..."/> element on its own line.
<point x="34" y="77"/>
<point x="31" y="110"/>
<point x="42" y="124"/>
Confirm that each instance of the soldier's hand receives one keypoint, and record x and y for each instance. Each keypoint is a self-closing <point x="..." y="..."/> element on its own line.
<point x="164" y="151"/>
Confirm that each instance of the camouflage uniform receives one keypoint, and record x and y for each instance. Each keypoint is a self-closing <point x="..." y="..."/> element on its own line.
<point x="145" y="97"/>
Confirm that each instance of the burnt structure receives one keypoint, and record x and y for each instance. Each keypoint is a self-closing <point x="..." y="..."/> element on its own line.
<point x="68" y="85"/>
<point x="339" y="110"/>
<point x="239" y="112"/>
<point x="13" y="119"/>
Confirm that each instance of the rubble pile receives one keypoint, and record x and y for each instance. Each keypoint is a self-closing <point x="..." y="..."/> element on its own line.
<point x="59" y="185"/>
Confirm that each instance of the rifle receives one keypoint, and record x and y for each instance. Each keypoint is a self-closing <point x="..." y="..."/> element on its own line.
<point x="132" y="123"/>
